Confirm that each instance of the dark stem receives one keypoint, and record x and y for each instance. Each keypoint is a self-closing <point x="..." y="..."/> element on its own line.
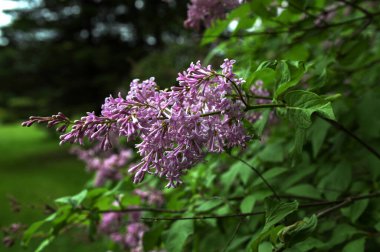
<point x="337" y="205"/>
<point x="204" y="217"/>
<point x="258" y="174"/>
<point x="234" y="234"/>
<point x="346" y="202"/>
<point x="358" y="7"/>
<point x="351" y="134"/>
<point x="237" y="89"/>
<point x="264" y="106"/>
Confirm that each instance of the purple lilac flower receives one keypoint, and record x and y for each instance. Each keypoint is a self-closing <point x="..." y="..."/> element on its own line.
<point x="134" y="236"/>
<point x="201" y="13"/>
<point x="175" y="127"/>
<point x="129" y="234"/>
<point x="110" y="222"/>
<point x="106" y="165"/>
<point x="151" y="197"/>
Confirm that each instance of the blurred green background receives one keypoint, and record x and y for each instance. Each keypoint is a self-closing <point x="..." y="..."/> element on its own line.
<point x="35" y="171"/>
<point x="68" y="55"/>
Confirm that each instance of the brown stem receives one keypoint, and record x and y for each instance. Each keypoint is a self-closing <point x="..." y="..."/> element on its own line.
<point x="337" y="205"/>
<point x="351" y="134"/>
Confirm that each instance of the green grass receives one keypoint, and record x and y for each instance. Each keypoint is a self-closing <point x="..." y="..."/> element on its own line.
<point x="34" y="171"/>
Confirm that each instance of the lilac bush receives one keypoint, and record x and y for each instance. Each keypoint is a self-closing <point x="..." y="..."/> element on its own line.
<point x="174" y="128"/>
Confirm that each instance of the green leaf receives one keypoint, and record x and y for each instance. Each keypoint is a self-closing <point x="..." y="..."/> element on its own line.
<point x="177" y="235"/>
<point x="299" y="140"/>
<point x="306" y="245"/>
<point x="337" y="181"/>
<point x="28" y="234"/>
<point x="267" y="64"/>
<point x="247" y="204"/>
<point x="152" y="236"/>
<point x="289" y="74"/>
<point x="302" y="104"/>
<point x="75" y="200"/>
<point x="44" y="243"/>
<point x="209" y="205"/>
<point x="299" y="230"/>
<point x="305" y="190"/>
<point x="259" y="125"/>
<point x="95" y="193"/>
<point x="317" y="134"/>
<point x="265" y="247"/>
<point x="260" y="8"/>
<point x="267" y="75"/>
<point x="237" y="170"/>
<point x="355" y="246"/>
<point x="377" y="226"/>
<point x="355" y="210"/>
<point x="271" y="173"/>
<point x="273" y="152"/>
<point x="341" y="233"/>
<point x="229" y="177"/>
<point x="32" y="229"/>
<point x="297" y="53"/>
<point x="271" y="234"/>
<point x="212" y="33"/>
<point x="276" y="211"/>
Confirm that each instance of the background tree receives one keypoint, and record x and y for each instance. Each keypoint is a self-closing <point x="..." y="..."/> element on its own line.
<point x="94" y="44"/>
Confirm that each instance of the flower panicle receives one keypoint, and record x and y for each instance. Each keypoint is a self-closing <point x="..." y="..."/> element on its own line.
<point x="175" y="128"/>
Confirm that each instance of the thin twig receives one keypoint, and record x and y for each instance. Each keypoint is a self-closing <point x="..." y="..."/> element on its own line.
<point x="236" y="87"/>
<point x="204" y="217"/>
<point x="346" y="202"/>
<point x="337" y="205"/>
<point x="351" y="134"/>
<point x="258" y="174"/>
<point x="356" y="6"/>
<point x="269" y="105"/>
<point x="234" y="234"/>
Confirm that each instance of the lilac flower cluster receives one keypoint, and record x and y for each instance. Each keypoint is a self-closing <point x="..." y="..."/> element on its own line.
<point x="201" y="13"/>
<point x="175" y="127"/>
<point x="105" y="164"/>
<point x="151" y="197"/>
<point x="129" y="235"/>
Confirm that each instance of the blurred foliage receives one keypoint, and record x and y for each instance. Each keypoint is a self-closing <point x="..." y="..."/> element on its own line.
<point x="320" y="58"/>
